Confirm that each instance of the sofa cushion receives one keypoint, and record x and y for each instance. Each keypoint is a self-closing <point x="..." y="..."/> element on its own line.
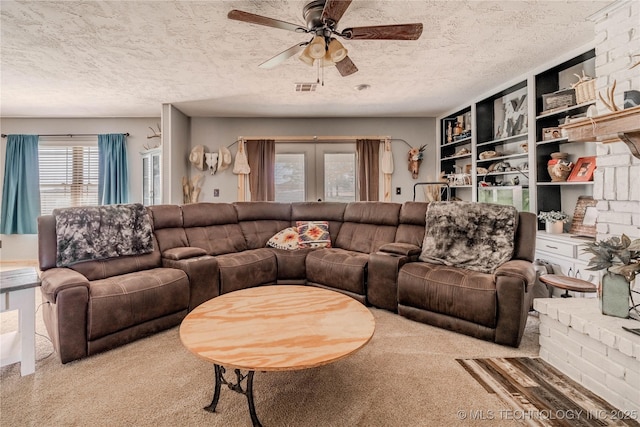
<point x="217" y="239"/>
<point x="455" y="292"/>
<point x="367" y="226"/>
<point x="286" y="239"/>
<point x="292" y="264"/>
<point x="365" y="238"/>
<point x="474" y="236"/>
<point x="411" y="226"/>
<point x="313" y="234"/>
<point x="338" y="268"/>
<point x="120" y="302"/>
<point x="246" y="269"/>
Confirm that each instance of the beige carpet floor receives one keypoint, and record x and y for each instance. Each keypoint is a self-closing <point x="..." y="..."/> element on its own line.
<point x="406" y="376"/>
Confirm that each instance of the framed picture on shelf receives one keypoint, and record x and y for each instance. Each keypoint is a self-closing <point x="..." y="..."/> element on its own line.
<point x="584" y="217"/>
<point x="583" y="170"/>
<point x="551" y="133"/>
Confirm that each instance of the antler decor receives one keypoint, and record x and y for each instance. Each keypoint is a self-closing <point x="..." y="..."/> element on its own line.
<point x="415" y="158"/>
<point x="611" y="105"/>
<point x="154" y="133"/>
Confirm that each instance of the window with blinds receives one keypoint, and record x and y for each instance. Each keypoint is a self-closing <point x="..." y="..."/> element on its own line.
<point x="68" y="174"/>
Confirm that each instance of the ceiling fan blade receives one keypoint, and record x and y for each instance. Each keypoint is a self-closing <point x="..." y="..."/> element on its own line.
<point x="334" y="9"/>
<point x="384" y="32"/>
<point x="239" y="15"/>
<point x="346" y="67"/>
<point x="282" y="56"/>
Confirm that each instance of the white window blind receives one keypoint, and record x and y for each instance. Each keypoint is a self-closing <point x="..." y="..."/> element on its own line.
<point x="68" y="174"/>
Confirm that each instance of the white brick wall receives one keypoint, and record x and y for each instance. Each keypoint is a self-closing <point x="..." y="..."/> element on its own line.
<point x="617" y="177"/>
<point x="591" y="348"/>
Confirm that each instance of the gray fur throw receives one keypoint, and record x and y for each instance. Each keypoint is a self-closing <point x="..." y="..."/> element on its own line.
<point x="474" y="236"/>
<point x="100" y="232"/>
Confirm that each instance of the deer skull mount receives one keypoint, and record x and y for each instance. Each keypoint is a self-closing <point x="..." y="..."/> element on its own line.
<point x="415" y="158"/>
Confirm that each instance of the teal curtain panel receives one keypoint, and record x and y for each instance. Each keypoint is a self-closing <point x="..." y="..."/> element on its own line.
<point x="21" y="190"/>
<point x="113" y="175"/>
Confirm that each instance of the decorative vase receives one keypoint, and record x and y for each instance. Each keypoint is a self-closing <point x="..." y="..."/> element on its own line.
<point x="554" y="227"/>
<point x="614" y="295"/>
<point x="559" y="167"/>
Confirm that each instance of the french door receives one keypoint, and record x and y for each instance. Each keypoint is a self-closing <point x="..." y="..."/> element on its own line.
<point x="315" y="172"/>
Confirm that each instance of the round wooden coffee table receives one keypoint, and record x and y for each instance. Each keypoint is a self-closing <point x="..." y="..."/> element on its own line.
<point x="568" y="284"/>
<point x="274" y="328"/>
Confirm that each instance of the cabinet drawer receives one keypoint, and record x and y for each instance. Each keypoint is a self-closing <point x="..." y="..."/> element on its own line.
<point x="555" y="248"/>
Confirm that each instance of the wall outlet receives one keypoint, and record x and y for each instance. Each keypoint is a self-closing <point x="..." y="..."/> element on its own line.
<point x="398" y="190"/>
<point x="216" y="192"/>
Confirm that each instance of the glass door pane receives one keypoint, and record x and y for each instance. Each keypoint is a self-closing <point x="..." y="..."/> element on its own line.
<point x="339" y="177"/>
<point x="290" y="177"/>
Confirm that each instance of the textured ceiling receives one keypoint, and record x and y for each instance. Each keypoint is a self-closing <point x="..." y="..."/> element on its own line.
<point x="126" y="58"/>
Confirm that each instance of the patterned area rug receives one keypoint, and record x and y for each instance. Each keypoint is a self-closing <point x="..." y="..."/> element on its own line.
<point x="540" y="395"/>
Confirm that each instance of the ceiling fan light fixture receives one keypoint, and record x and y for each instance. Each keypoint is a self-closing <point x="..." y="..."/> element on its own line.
<point x="305" y="57"/>
<point x="317" y="47"/>
<point x="337" y="51"/>
<point x="326" y="61"/>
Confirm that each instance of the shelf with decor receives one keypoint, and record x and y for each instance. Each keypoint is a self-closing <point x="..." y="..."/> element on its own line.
<point x="502" y="173"/>
<point x="504" y="157"/>
<point x="455" y="152"/>
<point x="513" y="138"/>
<point x="502" y="150"/>
<point x="564" y="94"/>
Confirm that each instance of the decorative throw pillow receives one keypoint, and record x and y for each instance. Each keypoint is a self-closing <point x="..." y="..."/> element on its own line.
<point x="475" y="236"/>
<point x="313" y="234"/>
<point x="286" y="239"/>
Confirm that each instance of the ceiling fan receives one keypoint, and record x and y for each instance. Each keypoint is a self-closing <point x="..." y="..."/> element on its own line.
<point x="322" y="18"/>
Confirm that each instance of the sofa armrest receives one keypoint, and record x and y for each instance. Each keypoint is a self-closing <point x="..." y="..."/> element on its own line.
<point x="519" y="269"/>
<point x="405" y="249"/>
<point x="55" y="280"/>
<point x="204" y="277"/>
<point x="183" y="253"/>
<point x="382" y="279"/>
<point x="65" y="294"/>
<point x="514" y="300"/>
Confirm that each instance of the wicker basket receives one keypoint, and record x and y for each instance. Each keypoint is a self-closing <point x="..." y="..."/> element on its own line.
<point x="585" y="91"/>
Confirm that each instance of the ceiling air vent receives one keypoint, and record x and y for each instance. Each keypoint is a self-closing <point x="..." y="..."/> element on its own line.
<point x="306" y="87"/>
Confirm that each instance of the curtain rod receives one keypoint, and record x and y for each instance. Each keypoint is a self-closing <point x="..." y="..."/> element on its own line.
<point x="312" y="138"/>
<point x="315" y="139"/>
<point x="70" y="135"/>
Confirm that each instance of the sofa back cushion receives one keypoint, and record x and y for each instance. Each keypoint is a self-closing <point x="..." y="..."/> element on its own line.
<point x="167" y="226"/>
<point x="213" y="227"/>
<point x="47" y="242"/>
<point x="105" y="268"/>
<point x="367" y="226"/>
<point x="525" y="244"/>
<point x="259" y="221"/>
<point x="332" y="212"/>
<point x="411" y="223"/>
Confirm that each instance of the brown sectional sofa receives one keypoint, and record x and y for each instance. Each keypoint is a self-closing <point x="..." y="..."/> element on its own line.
<point x="206" y="249"/>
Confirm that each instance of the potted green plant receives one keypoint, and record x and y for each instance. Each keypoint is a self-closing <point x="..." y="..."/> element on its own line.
<point x="620" y="257"/>
<point x="554" y="221"/>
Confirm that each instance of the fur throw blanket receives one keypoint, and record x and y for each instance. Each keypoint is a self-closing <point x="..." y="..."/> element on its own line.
<point x="99" y="232"/>
<point x="475" y="236"/>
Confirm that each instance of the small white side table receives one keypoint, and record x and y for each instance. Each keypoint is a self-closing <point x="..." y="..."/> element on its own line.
<point x="17" y="292"/>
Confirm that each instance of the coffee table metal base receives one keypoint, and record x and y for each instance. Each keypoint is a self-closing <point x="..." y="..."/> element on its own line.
<point x="237" y="387"/>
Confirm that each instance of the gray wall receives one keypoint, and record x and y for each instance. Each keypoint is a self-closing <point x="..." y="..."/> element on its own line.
<point x="216" y="132"/>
